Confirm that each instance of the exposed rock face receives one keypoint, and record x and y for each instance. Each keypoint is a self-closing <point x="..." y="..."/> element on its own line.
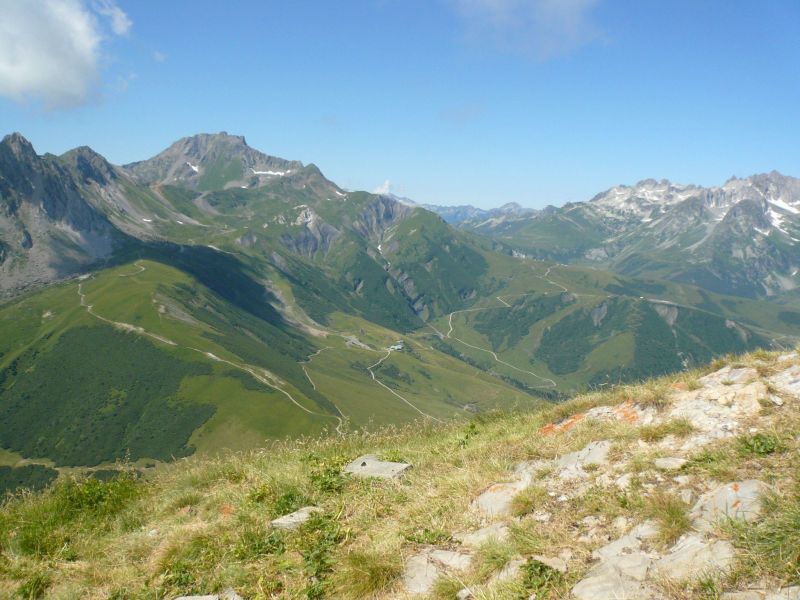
<point x="48" y="229"/>
<point x="378" y="216"/>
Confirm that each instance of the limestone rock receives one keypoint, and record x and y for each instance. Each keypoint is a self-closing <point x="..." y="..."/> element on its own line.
<point x="228" y="594"/>
<point x="295" y="519"/>
<point x="671" y="463"/>
<point x="744" y="595"/>
<point x="450" y="560"/>
<point x="423" y="569"/>
<point x="622" y="569"/>
<point x="715" y="412"/>
<point x="497" y="499"/>
<point x="571" y="466"/>
<point x="370" y="466"/>
<point x="788" y="381"/>
<point x="692" y="556"/>
<point x="509" y="571"/>
<point x="495" y="532"/>
<point x="420" y="574"/>
<point x="729" y="375"/>
<point x="738" y="500"/>
<point x="554" y="562"/>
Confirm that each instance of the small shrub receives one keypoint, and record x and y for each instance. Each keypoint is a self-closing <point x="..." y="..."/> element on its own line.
<point x="186" y="566"/>
<point x="318" y="538"/>
<point x="538" y="578"/>
<point x="255" y="542"/>
<point x="45" y="525"/>
<point x="326" y="474"/>
<point x="470" y="432"/>
<point x="392" y="456"/>
<point x="260" y="493"/>
<point x="289" y="501"/>
<point x="429" y="536"/>
<point x="760" y="444"/>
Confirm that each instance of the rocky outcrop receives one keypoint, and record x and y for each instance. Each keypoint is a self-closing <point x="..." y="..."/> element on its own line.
<point x="48" y="228"/>
<point x="634" y="564"/>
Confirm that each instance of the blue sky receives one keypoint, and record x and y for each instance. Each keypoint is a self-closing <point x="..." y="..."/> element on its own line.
<point x="452" y="101"/>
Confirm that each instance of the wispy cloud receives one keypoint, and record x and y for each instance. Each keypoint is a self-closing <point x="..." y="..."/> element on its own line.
<point x="120" y="22"/>
<point x="384" y="188"/>
<point x="159" y="56"/>
<point x="50" y="50"/>
<point x="542" y="28"/>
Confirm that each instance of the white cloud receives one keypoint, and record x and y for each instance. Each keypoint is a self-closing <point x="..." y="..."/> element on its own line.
<point x="159" y="56"/>
<point x="384" y="188"/>
<point x="545" y="28"/>
<point x="50" y="50"/>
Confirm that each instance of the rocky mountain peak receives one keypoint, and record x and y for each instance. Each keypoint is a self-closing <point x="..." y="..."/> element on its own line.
<point x="212" y="161"/>
<point x="89" y="165"/>
<point x="19" y="147"/>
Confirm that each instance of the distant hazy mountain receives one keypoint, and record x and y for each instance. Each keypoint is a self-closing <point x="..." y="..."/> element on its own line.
<point x="459" y="214"/>
<point x="741" y="238"/>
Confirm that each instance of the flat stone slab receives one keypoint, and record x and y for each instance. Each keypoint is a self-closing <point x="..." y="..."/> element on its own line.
<point x="788" y="381"/>
<point x="670" y="463"/>
<point x="622" y="569"/>
<point x="295" y="519"/>
<point x="420" y="574"/>
<point x="693" y="556"/>
<point x="424" y="569"/>
<point x="606" y="581"/>
<point x="509" y="571"/>
<point x="738" y="500"/>
<point x="473" y="539"/>
<point x="371" y="466"/>
<point x="730" y="375"/>
<point x="571" y="466"/>
<point x="226" y="595"/>
<point x="497" y="500"/>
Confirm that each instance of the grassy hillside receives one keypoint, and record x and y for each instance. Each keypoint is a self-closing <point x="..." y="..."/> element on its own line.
<point x="146" y="363"/>
<point x="202" y="525"/>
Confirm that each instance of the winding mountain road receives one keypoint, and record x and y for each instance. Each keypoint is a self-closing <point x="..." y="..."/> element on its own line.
<point x="547" y="382"/>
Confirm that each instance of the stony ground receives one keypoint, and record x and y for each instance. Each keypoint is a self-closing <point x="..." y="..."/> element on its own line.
<point x="627" y="560"/>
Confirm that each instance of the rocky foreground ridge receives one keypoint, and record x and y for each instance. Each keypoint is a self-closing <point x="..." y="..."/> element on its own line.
<point x="684" y="487"/>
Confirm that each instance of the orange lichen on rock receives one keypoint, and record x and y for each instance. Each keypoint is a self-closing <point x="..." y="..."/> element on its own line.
<point x="564" y="425"/>
<point x="626" y="412"/>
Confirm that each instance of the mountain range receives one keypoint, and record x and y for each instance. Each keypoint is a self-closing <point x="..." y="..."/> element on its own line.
<point x="214" y="296"/>
<point x="740" y="238"/>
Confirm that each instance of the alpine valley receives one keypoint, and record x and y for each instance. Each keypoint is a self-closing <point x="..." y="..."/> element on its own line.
<point x="213" y="296"/>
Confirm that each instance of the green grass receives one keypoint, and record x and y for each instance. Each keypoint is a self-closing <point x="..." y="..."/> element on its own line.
<point x="671" y="514"/>
<point x="771" y="547"/>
